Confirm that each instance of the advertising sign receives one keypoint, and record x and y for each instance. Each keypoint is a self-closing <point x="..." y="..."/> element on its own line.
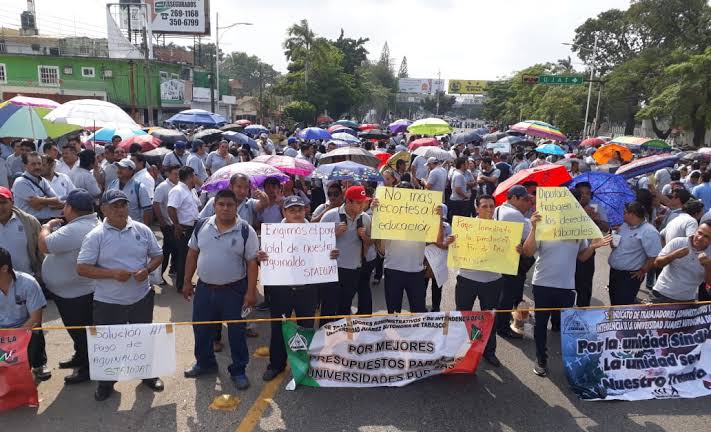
<point x="180" y="16"/>
<point x="420" y="85"/>
<point x="457" y="86"/>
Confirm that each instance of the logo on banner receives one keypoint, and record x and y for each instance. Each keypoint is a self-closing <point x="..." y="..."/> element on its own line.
<point x="298" y="343"/>
<point x="475" y="333"/>
<point x="8" y="357"/>
<point x="574" y="324"/>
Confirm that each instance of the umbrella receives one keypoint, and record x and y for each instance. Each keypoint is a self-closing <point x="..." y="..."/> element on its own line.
<point x="504" y="144"/>
<point x="198" y="117"/>
<point x="243" y="122"/>
<point x="696" y="156"/>
<point x="382" y="156"/>
<point x="241" y="139"/>
<point x="287" y="164"/>
<point x="348" y="123"/>
<point x="543" y="175"/>
<point x="435" y="152"/>
<point x="512" y="132"/>
<point x="91" y="113"/>
<point x="539" y="129"/>
<point x="368" y="126"/>
<point x="607" y="152"/>
<point x="155" y="156"/>
<point x="355" y="154"/>
<point x="339" y="128"/>
<point x="232" y="127"/>
<point x="209" y="135"/>
<point x="466" y="138"/>
<point x="423" y="142"/>
<point x="373" y="134"/>
<point x="593" y="142"/>
<point x="609" y="190"/>
<point x="401" y="155"/>
<point x="550" y="149"/>
<point x="255" y="129"/>
<point x="494" y="137"/>
<point x="339" y="143"/>
<point x="168" y="136"/>
<point x="481" y="131"/>
<point x="22" y="117"/>
<point x="642" y="142"/>
<point x="430" y="126"/>
<point x="257" y="172"/>
<point x="105" y="134"/>
<point x="323" y="119"/>
<point x="147" y="142"/>
<point x="348" y="170"/>
<point x="399" y="126"/>
<point x="342" y="136"/>
<point x="568" y="162"/>
<point x="647" y="165"/>
<point x="314" y="133"/>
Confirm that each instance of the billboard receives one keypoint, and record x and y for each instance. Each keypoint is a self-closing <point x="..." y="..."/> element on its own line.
<point x="457" y="86"/>
<point x="420" y="85"/>
<point x="180" y="16"/>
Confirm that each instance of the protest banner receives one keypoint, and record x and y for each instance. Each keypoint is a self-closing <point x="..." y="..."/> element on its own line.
<point x="563" y="218"/>
<point x="17" y="386"/>
<point x="437" y="259"/>
<point x="298" y="253"/>
<point x="386" y="351"/>
<point x="131" y="351"/>
<point x="484" y="244"/>
<point x="635" y="353"/>
<point x="406" y="214"/>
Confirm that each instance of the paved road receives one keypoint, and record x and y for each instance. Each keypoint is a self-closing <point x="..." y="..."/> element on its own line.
<point x="510" y="398"/>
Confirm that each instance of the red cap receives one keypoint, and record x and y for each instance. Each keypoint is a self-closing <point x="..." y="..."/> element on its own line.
<point x="5" y="193"/>
<point x="356" y="193"/>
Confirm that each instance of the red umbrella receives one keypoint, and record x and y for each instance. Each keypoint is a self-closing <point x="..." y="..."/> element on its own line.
<point x="324" y="119"/>
<point x="383" y="156"/>
<point x="544" y="175"/>
<point x="147" y="142"/>
<point x="335" y="128"/>
<point x="368" y="126"/>
<point x="592" y="142"/>
<point x="243" y="122"/>
<point x="423" y="142"/>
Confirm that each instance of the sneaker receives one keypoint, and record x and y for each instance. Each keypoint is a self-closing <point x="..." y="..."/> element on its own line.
<point x="270" y="374"/>
<point x="42" y="373"/>
<point x="240" y="381"/>
<point x="518" y="327"/>
<point x="541" y="368"/>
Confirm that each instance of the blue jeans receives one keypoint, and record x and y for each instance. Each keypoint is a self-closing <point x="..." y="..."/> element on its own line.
<point x="220" y="303"/>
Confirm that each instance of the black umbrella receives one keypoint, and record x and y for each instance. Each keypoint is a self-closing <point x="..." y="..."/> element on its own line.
<point x="168" y="137"/>
<point x="236" y="127"/>
<point x="466" y="138"/>
<point x="373" y="134"/>
<point x="208" y="135"/>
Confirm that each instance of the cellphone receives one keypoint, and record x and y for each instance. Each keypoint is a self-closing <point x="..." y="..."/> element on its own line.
<point x="359" y="222"/>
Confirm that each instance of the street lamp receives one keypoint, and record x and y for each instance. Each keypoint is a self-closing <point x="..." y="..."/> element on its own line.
<point x="217" y="49"/>
<point x="592" y="76"/>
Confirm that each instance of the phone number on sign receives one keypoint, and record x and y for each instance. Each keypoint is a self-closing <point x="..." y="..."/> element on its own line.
<point x="187" y="22"/>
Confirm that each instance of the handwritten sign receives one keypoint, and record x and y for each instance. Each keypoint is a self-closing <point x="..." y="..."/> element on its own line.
<point x="406" y="214"/>
<point x="437" y="258"/>
<point x="131" y="351"/>
<point x="563" y="218"/>
<point x="299" y="254"/>
<point x="484" y="244"/>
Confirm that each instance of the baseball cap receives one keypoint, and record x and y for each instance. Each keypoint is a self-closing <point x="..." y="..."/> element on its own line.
<point x="80" y="199"/>
<point x="294" y="200"/>
<point x="291" y="140"/>
<point x="126" y="163"/>
<point x="356" y="193"/>
<point x="517" y="191"/>
<point x="432" y="160"/>
<point x="113" y="196"/>
<point x="196" y="143"/>
<point x="180" y="144"/>
<point x="5" y="193"/>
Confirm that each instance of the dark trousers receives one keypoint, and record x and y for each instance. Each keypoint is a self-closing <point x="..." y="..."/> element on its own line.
<point x="459" y="208"/>
<point x="623" y="287"/>
<point x="379" y="267"/>
<point x="547" y="297"/>
<point x="285" y="299"/>
<point x="436" y="293"/>
<point x="215" y="304"/>
<point x="77" y="311"/>
<point x="365" y="298"/>
<point x="511" y="291"/>
<point x="140" y="312"/>
<point x="584" y="272"/>
<point x="336" y="297"/>
<point x="36" y="352"/>
<point x="704" y="294"/>
<point x="169" y="249"/>
<point x="181" y="253"/>
<point x="412" y="283"/>
<point x="465" y="294"/>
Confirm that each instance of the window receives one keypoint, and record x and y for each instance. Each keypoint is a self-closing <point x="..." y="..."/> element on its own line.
<point x="3" y="74"/>
<point x="48" y="75"/>
<point x="88" y="72"/>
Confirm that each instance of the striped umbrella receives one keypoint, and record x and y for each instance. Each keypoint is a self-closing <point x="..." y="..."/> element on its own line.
<point x="539" y="129"/>
<point x="105" y="134"/>
<point x="647" y="165"/>
<point x="23" y="117"/>
<point x="288" y="165"/>
<point x="342" y="136"/>
<point x="644" y="143"/>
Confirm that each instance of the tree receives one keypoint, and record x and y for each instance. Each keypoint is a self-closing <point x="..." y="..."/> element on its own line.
<point x="300" y="111"/>
<point x="354" y="52"/>
<point x="302" y="45"/>
<point x="445" y="103"/>
<point x="565" y="66"/>
<point x="385" y="55"/>
<point x="252" y="73"/>
<point x="402" y="73"/>
<point x="204" y="54"/>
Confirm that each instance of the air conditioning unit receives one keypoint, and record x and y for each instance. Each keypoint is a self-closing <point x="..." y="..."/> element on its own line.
<point x="108" y="73"/>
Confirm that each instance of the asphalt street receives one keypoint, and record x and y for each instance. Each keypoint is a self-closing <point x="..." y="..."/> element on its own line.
<point x="509" y="398"/>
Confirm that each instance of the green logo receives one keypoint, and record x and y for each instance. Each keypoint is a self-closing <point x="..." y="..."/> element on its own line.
<point x="475" y="334"/>
<point x="161" y="6"/>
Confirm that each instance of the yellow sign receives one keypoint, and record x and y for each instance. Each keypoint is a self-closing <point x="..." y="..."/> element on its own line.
<point x="467" y="86"/>
<point x="406" y="214"/>
<point x="484" y="244"/>
<point x="563" y="218"/>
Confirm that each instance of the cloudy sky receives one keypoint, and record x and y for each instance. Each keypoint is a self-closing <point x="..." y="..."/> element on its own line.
<point x="462" y="39"/>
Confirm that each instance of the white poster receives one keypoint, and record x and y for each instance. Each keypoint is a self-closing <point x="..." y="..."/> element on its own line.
<point x="437" y="258"/>
<point x="420" y="85"/>
<point x="179" y="16"/>
<point x="131" y="351"/>
<point x="299" y="254"/>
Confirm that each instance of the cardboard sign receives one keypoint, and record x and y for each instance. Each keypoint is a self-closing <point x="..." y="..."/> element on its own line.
<point x="563" y="218"/>
<point x="486" y="245"/>
<point x="299" y="254"/>
<point x="406" y="214"/>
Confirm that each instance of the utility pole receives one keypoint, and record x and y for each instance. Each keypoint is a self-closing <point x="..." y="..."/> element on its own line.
<point x="132" y="87"/>
<point x="597" y="109"/>
<point x="592" y="76"/>
<point x="261" y="96"/>
<point x="217" y="59"/>
<point x="147" y="74"/>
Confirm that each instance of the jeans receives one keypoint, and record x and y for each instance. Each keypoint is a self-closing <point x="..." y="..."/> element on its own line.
<point x="623" y="287"/>
<point x="365" y="297"/>
<point x="181" y="253"/>
<point x="336" y="297"/>
<point x="547" y="297"/>
<point x="36" y="352"/>
<point x="412" y="283"/>
<point x="77" y="312"/>
<point x="584" y="272"/>
<point x="168" y="247"/>
<point x="286" y="299"/>
<point x="459" y="208"/>
<point x="214" y="304"/>
<point x="511" y="289"/>
<point x="465" y="294"/>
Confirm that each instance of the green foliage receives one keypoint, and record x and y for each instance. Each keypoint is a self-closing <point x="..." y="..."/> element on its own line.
<point x="250" y="71"/>
<point x="300" y="111"/>
<point x="445" y="103"/>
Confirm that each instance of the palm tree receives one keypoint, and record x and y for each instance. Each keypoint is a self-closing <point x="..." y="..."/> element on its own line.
<point x="566" y="64"/>
<point x="300" y="43"/>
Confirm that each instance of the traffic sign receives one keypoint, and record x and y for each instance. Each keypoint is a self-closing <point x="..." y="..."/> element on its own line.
<point x="530" y="79"/>
<point x="561" y="79"/>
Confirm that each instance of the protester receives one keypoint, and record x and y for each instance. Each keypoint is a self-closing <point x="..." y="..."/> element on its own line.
<point x="142" y="175"/>
<point x="675" y="199"/>
<point x="488" y="177"/>
<point x="81" y="176"/>
<point x="140" y="203"/>
<point x="61" y="183"/>
<point x="160" y="212"/>
<point x="70" y="158"/>
<point x="178" y="156"/>
<point x="437" y="178"/>
<point x="183" y="205"/>
<point x="223" y="251"/>
<point x="247" y="208"/>
<point x="442" y="243"/>
<point x="686" y="223"/>
<point x="585" y="270"/>
<point x="219" y="158"/>
<point x="335" y="200"/>
<point x="196" y="161"/>
<point x="459" y="200"/>
<point x="703" y="191"/>
<point x="111" y="156"/>
<point x="33" y="194"/>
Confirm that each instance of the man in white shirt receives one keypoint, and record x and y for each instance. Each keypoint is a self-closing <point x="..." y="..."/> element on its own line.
<point x="142" y="175"/>
<point x="686" y="265"/>
<point x="178" y="156"/>
<point x="437" y="178"/>
<point x="196" y="161"/>
<point x="70" y="158"/>
<point x="160" y="210"/>
<point x="183" y="211"/>
<point x="81" y="176"/>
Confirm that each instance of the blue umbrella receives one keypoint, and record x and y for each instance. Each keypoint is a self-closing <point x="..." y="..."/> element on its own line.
<point x="105" y="134"/>
<point x="550" y="149"/>
<point x="241" y="139"/>
<point x="348" y="170"/>
<point x="481" y="131"/>
<point x="349" y="123"/>
<point x="611" y="191"/>
<point x="350" y="139"/>
<point x="198" y="116"/>
<point x="314" y="133"/>
<point x="466" y="138"/>
<point x="647" y="165"/>
<point x="255" y="129"/>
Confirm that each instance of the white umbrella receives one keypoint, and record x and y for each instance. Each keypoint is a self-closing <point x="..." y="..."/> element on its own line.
<point x="436" y="152"/>
<point x="91" y="113"/>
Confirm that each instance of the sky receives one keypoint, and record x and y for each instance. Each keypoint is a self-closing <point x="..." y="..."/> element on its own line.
<point x="459" y="39"/>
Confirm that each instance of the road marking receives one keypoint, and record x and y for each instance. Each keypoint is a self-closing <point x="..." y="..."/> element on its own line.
<point x="251" y="419"/>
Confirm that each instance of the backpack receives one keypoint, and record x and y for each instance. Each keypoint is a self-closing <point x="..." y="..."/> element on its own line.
<point x="244" y="229"/>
